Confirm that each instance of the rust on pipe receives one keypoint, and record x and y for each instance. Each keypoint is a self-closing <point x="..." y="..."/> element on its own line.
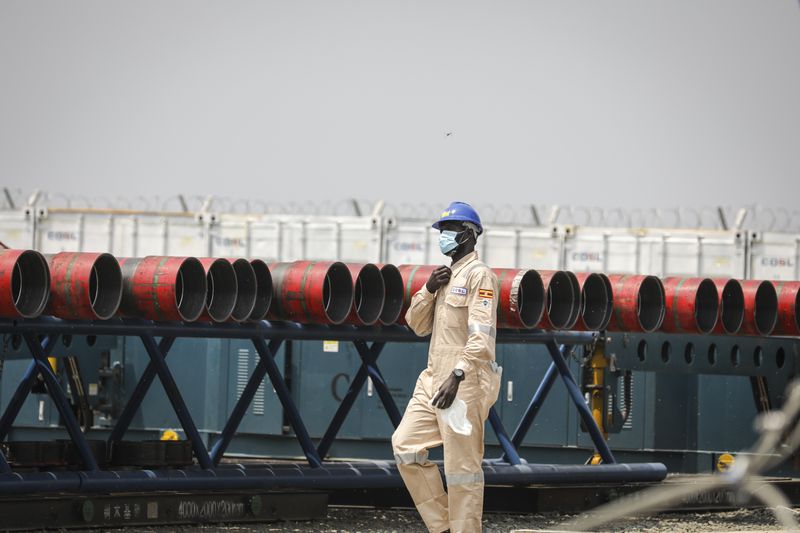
<point x="84" y="285"/>
<point x="522" y="298"/>
<point x="414" y="278"/>
<point x="24" y="283"/>
<point x="311" y="292"/>
<point x="221" y="288"/>
<point x="760" y="307"/>
<point x="563" y="300"/>
<point x="245" y="289"/>
<point x="368" y="294"/>
<point x="263" y="290"/>
<point x="393" y="294"/>
<point x="731" y="306"/>
<point x="638" y="303"/>
<point x="692" y="305"/>
<point x="163" y="288"/>
<point x="788" y="308"/>
<point x="596" y="300"/>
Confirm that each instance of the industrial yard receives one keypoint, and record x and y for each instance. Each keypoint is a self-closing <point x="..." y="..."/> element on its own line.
<point x="399" y="266"/>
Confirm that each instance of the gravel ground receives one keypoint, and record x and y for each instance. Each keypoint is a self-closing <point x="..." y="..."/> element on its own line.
<point x="351" y="520"/>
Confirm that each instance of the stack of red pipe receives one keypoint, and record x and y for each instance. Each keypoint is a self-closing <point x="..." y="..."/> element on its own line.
<point x="98" y="286"/>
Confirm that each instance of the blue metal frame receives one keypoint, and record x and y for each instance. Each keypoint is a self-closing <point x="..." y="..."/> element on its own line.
<point x="259" y="333"/>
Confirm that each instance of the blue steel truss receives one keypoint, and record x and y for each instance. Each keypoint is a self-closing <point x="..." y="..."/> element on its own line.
<point x="40" y="336"/>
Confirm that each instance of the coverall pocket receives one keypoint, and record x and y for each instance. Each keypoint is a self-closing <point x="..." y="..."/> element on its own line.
<point x="455" y="310"/>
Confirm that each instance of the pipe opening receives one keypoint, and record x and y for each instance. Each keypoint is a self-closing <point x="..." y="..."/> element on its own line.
<point x="766" y="310"/>
<point x="393" y="294"/>
<point x="650" y="304"/>
<point x="221" y="291"/>
<point x="560" y="300"/>
<point x="190" y="289"/>
<point x="706" y="306"/>
<point x="732" y="310"/>
<point x="30" y="282"/>
<point x="263" y="289"/>
<point x="368" y="297"/>
<point x="245" y="290"/>
<point x="531" y="298"/>
<point x="337" y="293"/>
<point x="595" y="303"/>
<point x="105" y="286"/>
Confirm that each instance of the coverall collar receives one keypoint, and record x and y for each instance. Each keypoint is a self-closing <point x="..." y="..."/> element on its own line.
<point x="464" y="261"/>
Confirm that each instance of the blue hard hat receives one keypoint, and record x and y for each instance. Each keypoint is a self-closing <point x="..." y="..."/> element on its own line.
<point x="460" y="212"/>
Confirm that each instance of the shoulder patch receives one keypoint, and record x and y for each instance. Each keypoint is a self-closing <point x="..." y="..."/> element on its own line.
<point x="486" y="293"/>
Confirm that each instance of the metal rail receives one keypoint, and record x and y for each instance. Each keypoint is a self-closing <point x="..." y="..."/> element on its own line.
<point x="267" y="338"/>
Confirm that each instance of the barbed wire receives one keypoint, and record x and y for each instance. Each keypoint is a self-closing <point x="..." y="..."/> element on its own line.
<point x="754" y="217"/>
<point x="779" y="438"/>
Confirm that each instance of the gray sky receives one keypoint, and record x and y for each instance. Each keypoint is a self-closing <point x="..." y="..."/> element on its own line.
<point x="625" y="102"/>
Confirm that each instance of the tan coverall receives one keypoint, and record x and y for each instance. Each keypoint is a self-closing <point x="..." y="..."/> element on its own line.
<point x="461" y="318"/>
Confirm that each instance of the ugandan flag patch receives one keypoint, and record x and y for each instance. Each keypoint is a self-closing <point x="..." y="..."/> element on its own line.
<point x="488" y="294"/>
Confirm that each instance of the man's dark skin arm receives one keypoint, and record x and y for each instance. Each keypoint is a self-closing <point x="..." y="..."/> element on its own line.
<point x="446" y="395"/>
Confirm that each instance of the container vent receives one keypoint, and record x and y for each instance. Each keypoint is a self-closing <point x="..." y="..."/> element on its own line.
<point x="244" y="367"/>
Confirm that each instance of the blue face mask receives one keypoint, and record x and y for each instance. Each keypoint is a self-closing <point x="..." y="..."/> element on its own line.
<point x="448" y="242"/>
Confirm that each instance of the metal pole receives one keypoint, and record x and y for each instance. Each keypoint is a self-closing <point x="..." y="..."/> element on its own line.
<point x="349" y="399"/>
<point x="175" y="398"/>
<point x="242" y="404"/>
<point x="60" y="399"/>
<point x="285" y="397"/>
<point x="509" y="451"/>
<point x="138" y="394"/>
<point x="577" y="398"/>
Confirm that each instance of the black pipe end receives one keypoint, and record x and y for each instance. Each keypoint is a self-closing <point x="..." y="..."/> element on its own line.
<point x="596" y="300"/>
<point x="706" y="306"/>
<point x="732" y="307"/>
<point x="651" y="304"/>
<point x="191" y="289"/>
<point x="263" y="289"/>
<point x="766" y="311"/>
<point x="532" y="298"/>
<point x="221" y="290"/>
<point x="393" y="294"/>
<point x="30" y="284"/>
<point x="368" y="294"/>
<point x="337" y="293"/>
<point x="105" y="286"/>
<point x="560" y="300"/>
<point x="245" y="290"/>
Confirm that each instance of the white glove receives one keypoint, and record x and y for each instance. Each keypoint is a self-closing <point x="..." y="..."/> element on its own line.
<point x="456" y="417"/>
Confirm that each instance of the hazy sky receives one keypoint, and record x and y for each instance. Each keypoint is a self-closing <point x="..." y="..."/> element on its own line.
<point x="625" y="102"/>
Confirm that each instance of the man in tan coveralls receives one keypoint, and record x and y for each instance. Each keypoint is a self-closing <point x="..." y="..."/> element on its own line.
<point x="458" y="308"/>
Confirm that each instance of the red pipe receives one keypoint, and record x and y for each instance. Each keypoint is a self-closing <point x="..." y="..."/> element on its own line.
<point x="221" y="288"/>
<point x="731" y="306"/>
<point x="414" y="277"/>
<point x="393" y="295"/>
<point x="24" y="283"/>
<point x="760" y="307"/>
<point x="596" y="300"/>
<point x="84" y="285"/>
<point x="311" y="292"/>
<point x="692" y="305"/>
<point x="245" y="289"/>
<point x="163" y="288"/>
<point x="638" y="303"/>
<point x="263" y="290"/>
<point x="522" y="298"/>
<point x="368" y="294"/>
<point x="788" y="308"/>
<point x="563" y="299"/>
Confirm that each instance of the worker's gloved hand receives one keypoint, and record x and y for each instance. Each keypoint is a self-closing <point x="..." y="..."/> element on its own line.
<point x="439" y="277"/>
<point x="447" y="393"/>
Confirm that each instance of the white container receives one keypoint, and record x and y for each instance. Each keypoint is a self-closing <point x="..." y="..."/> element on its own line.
<point x="774" y="256"/>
